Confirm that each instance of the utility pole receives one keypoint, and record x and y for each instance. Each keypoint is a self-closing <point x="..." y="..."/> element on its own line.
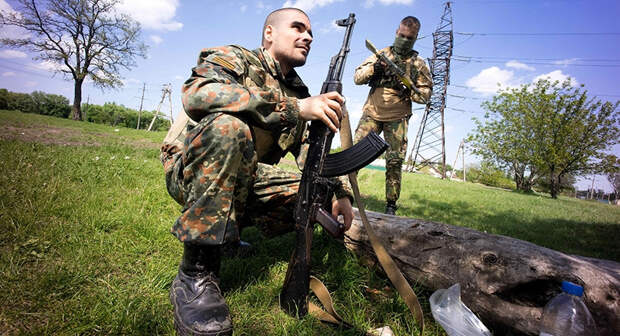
<point x="592" y="188"/>
<point x="463" y="157"/>
<point x="458" y="150"/>
<point x="165" y="91"/>
<point x="85" y="116"/>
<point x="170" y="102"/>
<point x="141" y="101"/>
<point x="429" y="147"/>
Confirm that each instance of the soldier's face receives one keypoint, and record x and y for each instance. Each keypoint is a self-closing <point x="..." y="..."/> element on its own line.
<point x="291" y="38"/>
<point x="406" y="32"/>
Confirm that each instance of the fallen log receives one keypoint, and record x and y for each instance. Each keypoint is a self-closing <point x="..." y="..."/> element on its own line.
<point x="505" y="281"/>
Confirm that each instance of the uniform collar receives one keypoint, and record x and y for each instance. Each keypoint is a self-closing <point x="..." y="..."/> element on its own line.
<point x="292" y="79"/>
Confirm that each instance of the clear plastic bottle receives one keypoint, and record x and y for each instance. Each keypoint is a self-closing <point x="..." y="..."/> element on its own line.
<point x="567" y="315"/>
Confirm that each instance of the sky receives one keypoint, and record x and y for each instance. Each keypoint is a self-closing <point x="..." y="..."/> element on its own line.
<point x="510" y="42"/>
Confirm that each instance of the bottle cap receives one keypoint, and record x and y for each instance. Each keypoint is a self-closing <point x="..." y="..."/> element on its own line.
<point x="571" y="288"/>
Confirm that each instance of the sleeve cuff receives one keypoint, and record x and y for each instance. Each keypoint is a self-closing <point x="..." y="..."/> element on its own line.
<point x="344" y="189"/>
<point x="289" y="111"/>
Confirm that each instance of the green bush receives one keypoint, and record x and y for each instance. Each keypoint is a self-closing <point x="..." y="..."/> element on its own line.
<point x="119" y="115"/>
<point x="487" y="174"/>
<point x="112" y="114"/>
<point x="37" y="102"/>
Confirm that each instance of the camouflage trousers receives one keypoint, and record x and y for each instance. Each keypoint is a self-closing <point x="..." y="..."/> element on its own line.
<point x="395" y="134"/>
<point x="215" y="176"/>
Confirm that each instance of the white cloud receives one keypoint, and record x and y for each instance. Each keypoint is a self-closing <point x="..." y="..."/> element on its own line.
<point x="49" y="66"/>
<point x="308" y="5"/>
<point x="5" y="7"/>
<point x="243" y="8"/>
<point x="11" y="32"/>
<point x="488" y="79"/>
<point x="31" y="84"/>
<point x="556" y="75"/>
<point x="519" y="65"/>
<point x="566" y="62"/>
<point x="370" y="3"/>
<point x="331" y="27"/>
<point x="130" y="81"/>
<point x="153" y="14"/>
<point x="12" y="54"/>
<point x="8" y="74"/>
<point x="156" y="39"/>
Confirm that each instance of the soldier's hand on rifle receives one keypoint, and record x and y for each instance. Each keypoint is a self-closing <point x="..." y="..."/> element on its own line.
<point x="378" y="68"/>
<point x="326" y="107"/>
<point x="342" y="206"/>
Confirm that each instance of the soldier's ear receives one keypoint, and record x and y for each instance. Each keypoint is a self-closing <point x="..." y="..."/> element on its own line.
<point x="268" y="34"/>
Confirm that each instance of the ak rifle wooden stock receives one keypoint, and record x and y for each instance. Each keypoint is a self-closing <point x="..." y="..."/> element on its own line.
<point x="317" y="186"/>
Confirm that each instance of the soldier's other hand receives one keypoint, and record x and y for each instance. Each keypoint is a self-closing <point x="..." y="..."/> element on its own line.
<point x="342" y="206"/>
<point x="378" y="68"/>
<point x="326" y="107"/>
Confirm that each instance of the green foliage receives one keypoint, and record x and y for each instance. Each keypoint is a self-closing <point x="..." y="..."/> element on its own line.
<point x="486" y="173"/>
<point x="51" y="104"/>
<point x="546" y="128"/>
<point x="119" y="115"/>
<point x="37" y="102"/>
<point x="544" y="184"/>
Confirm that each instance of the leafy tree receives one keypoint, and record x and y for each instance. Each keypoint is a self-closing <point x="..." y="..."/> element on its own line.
<point x="612" y="167"/>
<point x="4" y="99"/>
<point x="505" y="139"/>
<point x="547" y="128"/>
<point x="85" y="38"/>
<point x="51" y="104"/>
<point x="567" y="183"/>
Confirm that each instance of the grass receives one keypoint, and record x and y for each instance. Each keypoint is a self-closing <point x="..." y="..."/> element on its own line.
<point x="85" y="245"/>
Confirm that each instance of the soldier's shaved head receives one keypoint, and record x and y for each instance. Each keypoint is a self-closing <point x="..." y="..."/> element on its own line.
<point x="275" y="17"/>
<point x="287" y="35"/>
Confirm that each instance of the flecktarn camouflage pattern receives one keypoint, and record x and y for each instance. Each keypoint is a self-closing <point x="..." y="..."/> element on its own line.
<point x="244" y="119"/>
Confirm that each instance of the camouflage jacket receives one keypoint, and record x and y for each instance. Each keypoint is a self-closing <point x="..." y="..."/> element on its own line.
<point x="387" y="101"/>
<point x="251" y="86"/>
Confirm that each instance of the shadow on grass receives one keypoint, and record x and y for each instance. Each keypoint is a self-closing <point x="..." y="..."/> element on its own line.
<point x="564" y="235"/>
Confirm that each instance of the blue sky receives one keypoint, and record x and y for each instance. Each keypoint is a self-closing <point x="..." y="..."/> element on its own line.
<point x="511" y="42"/>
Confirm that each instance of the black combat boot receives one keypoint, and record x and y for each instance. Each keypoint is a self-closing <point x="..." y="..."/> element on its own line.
<point x="390" y="208"/>
<point x="199" y="307"/>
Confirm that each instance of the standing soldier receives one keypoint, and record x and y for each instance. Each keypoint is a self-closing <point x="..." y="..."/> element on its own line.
<point x="388" y="106"/>
<point x="248" y="109"/>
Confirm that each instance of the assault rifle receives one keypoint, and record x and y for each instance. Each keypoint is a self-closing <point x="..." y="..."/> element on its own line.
<point x="400" y="73"/>
<point x="316" y="188"/>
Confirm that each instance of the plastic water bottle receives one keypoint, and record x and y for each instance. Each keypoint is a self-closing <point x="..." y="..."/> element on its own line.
<point x="567" y="315"/>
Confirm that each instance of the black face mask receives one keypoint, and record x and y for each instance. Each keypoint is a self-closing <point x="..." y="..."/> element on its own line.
<point x="403" y="46"/>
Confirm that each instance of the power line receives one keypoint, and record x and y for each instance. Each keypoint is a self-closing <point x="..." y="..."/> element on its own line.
<point x="539" y="34"/>
<point x="461" y="59"/>
<point x="574" y="59"/>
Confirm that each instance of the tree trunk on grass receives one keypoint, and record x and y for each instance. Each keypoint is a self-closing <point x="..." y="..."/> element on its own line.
<point x="76" y="109"/>
<point x="505" y="281"/>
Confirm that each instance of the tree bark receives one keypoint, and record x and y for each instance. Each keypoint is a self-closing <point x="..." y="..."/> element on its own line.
<point x="76" y="109"/>
<point x="505" y="281"/>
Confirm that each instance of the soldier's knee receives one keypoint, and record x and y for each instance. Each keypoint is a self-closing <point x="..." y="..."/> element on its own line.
<point x="232" y="135"/>
<point x="394" y="162"/>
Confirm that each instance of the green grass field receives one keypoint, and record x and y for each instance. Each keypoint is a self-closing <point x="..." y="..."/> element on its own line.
<point x="85" y="245"/>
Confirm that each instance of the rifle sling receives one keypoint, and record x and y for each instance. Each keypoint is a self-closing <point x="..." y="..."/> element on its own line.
<point x="386" y="261"/>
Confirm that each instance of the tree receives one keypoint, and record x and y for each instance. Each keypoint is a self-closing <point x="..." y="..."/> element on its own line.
<point x="612" y="168"/>
<point x="547" y="128"/>
<point x="504" y="140"/>
<point x="85" y="38"/>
